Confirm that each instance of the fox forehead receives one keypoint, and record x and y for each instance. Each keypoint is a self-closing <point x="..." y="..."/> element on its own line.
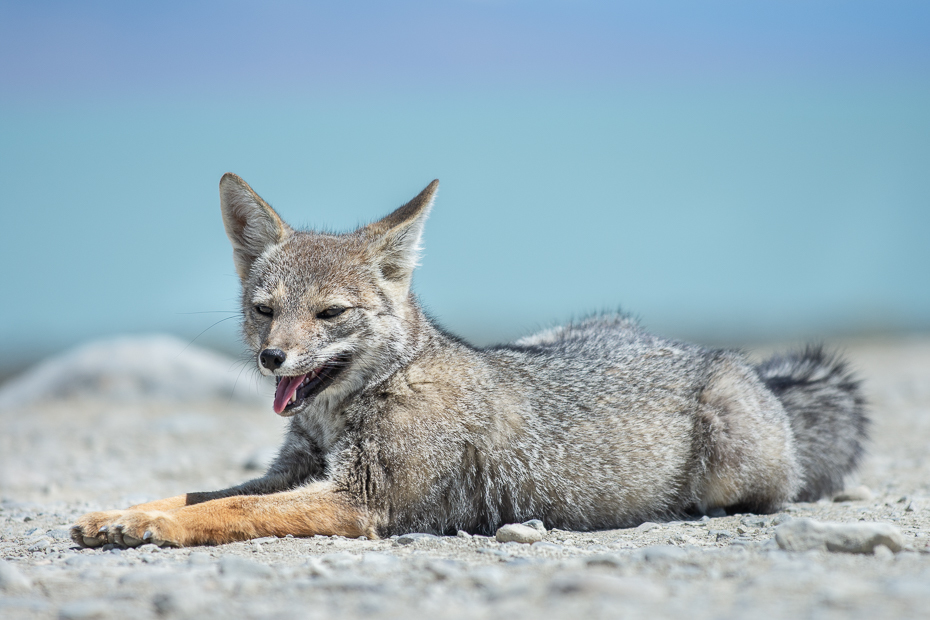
<point x="310" y="267"/>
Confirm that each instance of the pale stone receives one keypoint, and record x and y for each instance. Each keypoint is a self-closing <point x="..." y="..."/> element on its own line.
<point x="515" y="532"/>
<point x="807" y="534"/>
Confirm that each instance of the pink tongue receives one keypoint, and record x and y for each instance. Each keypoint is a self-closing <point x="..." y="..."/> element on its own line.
<point x="285" y="390"/>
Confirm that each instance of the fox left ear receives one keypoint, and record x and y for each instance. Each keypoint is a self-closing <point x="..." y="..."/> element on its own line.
<point x="251" y="224"/>
<point x="395" y="240"/>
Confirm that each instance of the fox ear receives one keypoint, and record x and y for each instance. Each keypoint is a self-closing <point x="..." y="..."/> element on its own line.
<point x="395" y="240"/>
<point x="251" y="224"/>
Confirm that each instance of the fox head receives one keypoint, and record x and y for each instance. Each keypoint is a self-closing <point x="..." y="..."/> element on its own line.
<point x="325" y="314"/>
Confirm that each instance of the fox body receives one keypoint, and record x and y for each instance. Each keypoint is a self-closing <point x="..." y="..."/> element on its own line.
<point x="397" y="426"/>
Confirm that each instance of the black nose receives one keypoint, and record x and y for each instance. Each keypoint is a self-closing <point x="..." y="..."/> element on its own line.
<point x="272" y="358"/>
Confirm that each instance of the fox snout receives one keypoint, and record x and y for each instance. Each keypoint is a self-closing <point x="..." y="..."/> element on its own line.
<point x="271" y="359"/>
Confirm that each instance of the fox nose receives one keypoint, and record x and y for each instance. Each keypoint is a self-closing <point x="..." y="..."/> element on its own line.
<point x="272" y="358"/>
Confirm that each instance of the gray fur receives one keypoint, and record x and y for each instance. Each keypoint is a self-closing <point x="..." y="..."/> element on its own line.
<point x="597" y="424"/>
<point x="827" y="413"/>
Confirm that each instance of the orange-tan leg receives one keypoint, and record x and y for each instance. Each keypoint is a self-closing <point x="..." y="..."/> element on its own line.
<point x="169" y="503"/>
<point x="315" y="509"/>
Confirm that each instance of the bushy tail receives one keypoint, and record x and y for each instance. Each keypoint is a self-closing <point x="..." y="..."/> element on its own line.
<point x="827" y="413"/>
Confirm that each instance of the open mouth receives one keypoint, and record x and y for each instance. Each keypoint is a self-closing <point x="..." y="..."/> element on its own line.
<point x="292" y="392"/>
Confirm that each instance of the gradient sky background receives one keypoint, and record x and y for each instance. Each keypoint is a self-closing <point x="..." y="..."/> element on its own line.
<point x="724" y="170"/>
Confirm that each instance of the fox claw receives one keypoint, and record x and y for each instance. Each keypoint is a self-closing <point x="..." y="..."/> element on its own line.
<point x="77" y="535"/>
<point x="122" y="529"/>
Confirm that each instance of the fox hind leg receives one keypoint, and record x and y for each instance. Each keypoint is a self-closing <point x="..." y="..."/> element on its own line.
<point x="745" y="442"/>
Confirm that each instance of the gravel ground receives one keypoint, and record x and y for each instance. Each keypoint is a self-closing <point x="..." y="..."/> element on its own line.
<point x="63" y="456"/>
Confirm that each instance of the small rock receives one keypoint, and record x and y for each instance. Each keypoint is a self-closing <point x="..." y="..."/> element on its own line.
<point x="463" y="534"/>
<point x="150" y="548"/>
<point x="807" y="534"/>
<point x="536" y="524"/>
<point x="754" y="521"/>
<point x="515" y="532"/>
<point x="648" y="525"/>
<point x="39" y="545"/>
<point x="781" y="518"/>
<point x="720" y="535"/>
<point x="11" y="579"/>
<point x="416" y="539"/>
<point x="855" y="494"/>
<point x="234" y="566"/>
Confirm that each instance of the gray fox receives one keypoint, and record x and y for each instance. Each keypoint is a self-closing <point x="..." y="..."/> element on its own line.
<point x="398" y="426"/>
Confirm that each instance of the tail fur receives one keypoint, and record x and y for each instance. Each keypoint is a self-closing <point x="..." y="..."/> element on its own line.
<point x="827" y="413"/>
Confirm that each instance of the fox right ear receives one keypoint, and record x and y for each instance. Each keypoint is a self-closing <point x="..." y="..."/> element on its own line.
<point x="251" y="224"/>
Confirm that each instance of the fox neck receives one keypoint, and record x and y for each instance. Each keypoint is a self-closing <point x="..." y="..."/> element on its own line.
<point x="397" y="341"/>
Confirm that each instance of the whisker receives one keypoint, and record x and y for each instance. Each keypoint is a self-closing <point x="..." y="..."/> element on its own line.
<point x="236" y="383"/>
<point x="202" y="333"/>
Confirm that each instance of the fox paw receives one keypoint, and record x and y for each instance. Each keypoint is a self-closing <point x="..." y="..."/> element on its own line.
<point x="125" y="528"/>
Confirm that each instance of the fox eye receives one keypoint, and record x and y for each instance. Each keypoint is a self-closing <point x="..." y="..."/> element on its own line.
<point x="264" y="310"/>
<point x="331" y="312"/>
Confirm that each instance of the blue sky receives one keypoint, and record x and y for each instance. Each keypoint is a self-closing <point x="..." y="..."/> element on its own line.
<point x="208" y="48"/>
<point x="724" y="170"/>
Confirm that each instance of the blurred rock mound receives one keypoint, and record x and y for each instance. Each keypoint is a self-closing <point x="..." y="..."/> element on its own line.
<point x="130" y="368"/>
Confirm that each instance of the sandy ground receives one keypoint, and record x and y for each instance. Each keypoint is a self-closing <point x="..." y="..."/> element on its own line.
<point x="64" y="456"/>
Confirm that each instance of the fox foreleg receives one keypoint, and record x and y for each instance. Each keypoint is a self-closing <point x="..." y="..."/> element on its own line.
<point x="271" y="483"/>
<point x="299" y="463"/>
<point x="315" y="509"/>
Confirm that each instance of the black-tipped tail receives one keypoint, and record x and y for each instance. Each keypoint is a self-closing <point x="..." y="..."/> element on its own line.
<point x="827" y="413"/>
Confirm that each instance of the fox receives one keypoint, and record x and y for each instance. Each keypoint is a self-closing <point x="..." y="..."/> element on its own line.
<point x="398" y="426"/>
